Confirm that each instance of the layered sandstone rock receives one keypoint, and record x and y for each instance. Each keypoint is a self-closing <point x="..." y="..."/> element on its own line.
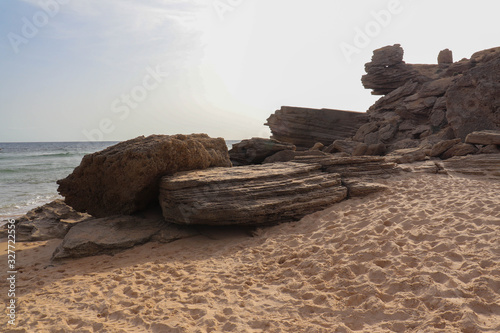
<point x="305" y="127"/>
<point x="124" y="178"/>
<point x="484" y="138"/>
<point x="256" y="150"/>
<point x="249" y="195"/>
<point x="478" y="165"/>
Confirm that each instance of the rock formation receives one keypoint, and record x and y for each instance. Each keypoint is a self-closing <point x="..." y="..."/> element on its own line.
<point x="426" y="104"/>
<point x="256" y="150"/>
<point x="249" y="195"/>
<point x="52" y="220"/>
<point x="305" y="127"/>
<point x="112" y="234"/>
<point x="124" y="178"/>
<point x="476" y="165"/>
<point x="484" y="138"/>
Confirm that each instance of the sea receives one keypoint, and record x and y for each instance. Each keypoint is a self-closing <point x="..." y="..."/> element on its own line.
<point x="29" y="171"/>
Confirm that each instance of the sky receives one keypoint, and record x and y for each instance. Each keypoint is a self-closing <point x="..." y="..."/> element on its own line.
<point x="111" y="70"/>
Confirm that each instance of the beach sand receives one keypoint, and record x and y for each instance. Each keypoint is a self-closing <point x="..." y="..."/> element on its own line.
<point x="423" y="256"/>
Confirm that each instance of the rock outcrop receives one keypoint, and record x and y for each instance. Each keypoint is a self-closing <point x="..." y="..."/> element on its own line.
<point x="305" y="127"/>
<point x="484" y="138"/>
<point x="249" y="195"/>
<point x="52" y="220"/>
<point x="426" y="104"/>
<point x="124" y="178"/>
<point x="256" y="150"/>
<point x="473" y="102"/>
<point x="476" y="165"/>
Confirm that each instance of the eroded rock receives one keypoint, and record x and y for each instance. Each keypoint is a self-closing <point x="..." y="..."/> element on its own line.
<point x="305" y="127"/>
<point x="124" y="178"/>
<point x="256" y="150"/>
<point x="249" y="195"/>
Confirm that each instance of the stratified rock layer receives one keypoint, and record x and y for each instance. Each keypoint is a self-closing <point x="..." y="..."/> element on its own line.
<point x="124" y="178"/>
<point x="256" y="150"/>
<point x="305" y="127"/>
<point x="250" y="195"/>
<point x="479" y="165"/>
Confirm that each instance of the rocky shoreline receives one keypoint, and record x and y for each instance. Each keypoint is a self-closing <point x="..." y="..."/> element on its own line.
<point x="440" y="119"/>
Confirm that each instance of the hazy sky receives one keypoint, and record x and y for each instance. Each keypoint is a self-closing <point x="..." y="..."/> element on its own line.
<point x="77" y="70"/>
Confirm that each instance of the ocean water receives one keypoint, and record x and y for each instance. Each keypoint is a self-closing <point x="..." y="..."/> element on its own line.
<point x="29" y="171"/>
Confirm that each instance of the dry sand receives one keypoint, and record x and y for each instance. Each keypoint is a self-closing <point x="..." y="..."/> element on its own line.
<point x="421" y="257"/>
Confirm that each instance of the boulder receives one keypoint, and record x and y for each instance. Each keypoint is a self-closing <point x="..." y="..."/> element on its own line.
<point x="387" y="71"/>
<point x="484" y="137"/>
<point x="357" y="188"/>
<point x="479" y="165"/>
<point x="473" y="101"/>
<point x="52" y="220"/>
<point x="108" y="235"/>
<point x="249" y="195"/>
<point x="442" y="146"/>
<point x="305" y="127"/>
<point x="343" y="146"/>
<point x="123" y="178"/>
<point x="460" y="149"/>
<point x="408" y="155"/>
<point x="490" y="149"/>
<point x="256" y="150"/>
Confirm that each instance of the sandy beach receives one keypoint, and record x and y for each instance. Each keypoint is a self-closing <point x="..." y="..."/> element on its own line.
<point x="422" y="256"/>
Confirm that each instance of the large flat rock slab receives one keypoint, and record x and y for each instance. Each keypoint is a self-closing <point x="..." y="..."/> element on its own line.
<point x="304" y="127"/>
<point x="475" y="165"/>
<point x="249" y="195"/>
<point x="124" y="178"/>
<point x="484" y="138"/>
<point x="113" y="234"/>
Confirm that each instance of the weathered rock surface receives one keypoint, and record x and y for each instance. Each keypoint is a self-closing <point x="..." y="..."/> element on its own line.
<point x="124" y="178"/>
<point x="408" y="155"/>
<point x="439" y="148"/>
<point x="256" y="150"/>
<point x="111" y="234"/>
<point x="357" y="188"/>
<point x="479" y="165"/>
<point x="484" y="138"/>
<point x="473" y="102"/>
<point x="305" y="127"/>
<point x="460" y="149"/>
<point x="249" y="195"/>
<point x="423" y="103"/>
<point x="52" y="220"/>
<point x="363" y="167"/>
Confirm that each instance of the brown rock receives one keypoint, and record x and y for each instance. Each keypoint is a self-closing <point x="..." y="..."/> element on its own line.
<point x="440" y="147"/>
<point x="317" y="146"/>
<point x="445" y="57"/>
<point x="480" y="165"/>
<point x="387" y="70"/>
<point x="249" y="195"/>
<point x="490" y="149"/>
<point x="256" y="150"/>
<point x="123" y="179"/>
<point x="473" y="101"/>
<point x="108" y="235"/>
<point x="52" y="220"/>
<point x="460" y="149"/>
<point x="359" y="166"/>
<point x="377" y="149"/>
<point x="357" y="188"/>
<point x="484" y="137"/>
<point x="408" y="155"/>
<point x="305" y="127"/>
